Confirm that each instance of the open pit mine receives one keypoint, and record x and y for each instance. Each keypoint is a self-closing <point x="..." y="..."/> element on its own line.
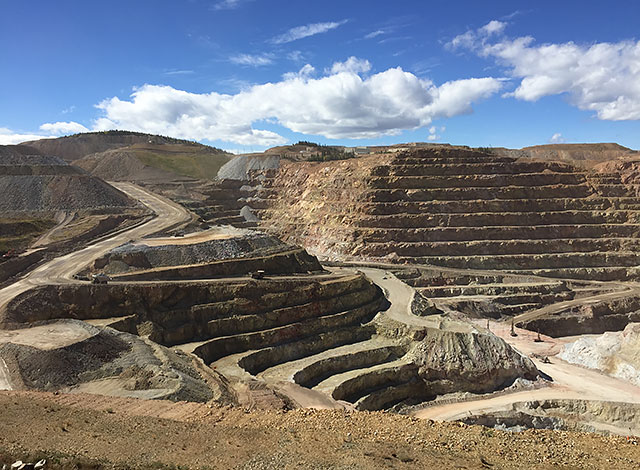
<point x="490" y="287"/>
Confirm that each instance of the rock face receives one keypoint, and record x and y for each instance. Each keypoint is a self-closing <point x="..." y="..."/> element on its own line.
<point x="628" y="167"/>
<point x="568" y="415"/>
<point x="459" y="208"/>
<point x="328" y="334"/>
<point x="614" y="353"/>
<point x="234" y="253"/>
<point x="452" y="361"/>
<point x="592" y="317"/>
<point x="244" y="244"/>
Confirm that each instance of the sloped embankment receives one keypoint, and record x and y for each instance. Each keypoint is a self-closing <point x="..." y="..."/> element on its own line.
<point x="36" y="183"/>
<point x="75" y="357"/>
<point x="204" y="255"/>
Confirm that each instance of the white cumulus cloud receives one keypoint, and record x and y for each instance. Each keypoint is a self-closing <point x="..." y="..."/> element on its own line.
<point x="61" y="127"/>
<point x="601" y="77"/>
<point x="300" y="32"/>
<point x="351" y="65"/>
<point x="556" y="138"/>
<point x="340" y="104"/>
<point x="9" y="137"/>
<point x="434" y="133"/>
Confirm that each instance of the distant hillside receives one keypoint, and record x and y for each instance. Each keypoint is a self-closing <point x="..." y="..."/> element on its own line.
<point x="124" y="155"/>
<point x="155" y="162"/>
<point x="74" y="147"/>
<point x="580" y="154"/>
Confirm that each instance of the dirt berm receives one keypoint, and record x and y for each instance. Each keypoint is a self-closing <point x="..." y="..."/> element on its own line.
<point x="72" y="356"/>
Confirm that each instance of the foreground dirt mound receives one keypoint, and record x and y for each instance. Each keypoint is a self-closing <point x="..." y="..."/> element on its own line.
<point x="35" y="183"/>
<point x="76" y="429"/>
<point x="77" y="357"/>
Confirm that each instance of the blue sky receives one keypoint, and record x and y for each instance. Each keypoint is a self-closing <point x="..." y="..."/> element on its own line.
<point x="249" y="74"/>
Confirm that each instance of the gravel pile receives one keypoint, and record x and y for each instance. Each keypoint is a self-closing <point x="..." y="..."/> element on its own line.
<point x="240" y="166"/>
<point x="58" y="192"/>
<point x="130" y="365"/>
<point x="13" y="158"/>
<point x="143" y="256"/>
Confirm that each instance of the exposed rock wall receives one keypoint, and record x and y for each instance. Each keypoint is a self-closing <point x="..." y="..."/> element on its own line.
<point x="450" y="361"/>
<point x="459" y="208"/>
<point x="614" y="353"/>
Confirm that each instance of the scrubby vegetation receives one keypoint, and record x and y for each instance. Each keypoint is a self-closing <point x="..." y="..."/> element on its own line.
<point x="177" y="159"/>
<point x="17" y="234"/>
<point x="326" y="152"/>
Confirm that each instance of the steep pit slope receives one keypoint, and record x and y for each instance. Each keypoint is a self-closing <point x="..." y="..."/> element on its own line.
<point x="614" y="353"/>
<point x="568" y="415"/>
<point x="459" y="208"/>
<point x="628" y="167"/>
<point x="37" y="183"/>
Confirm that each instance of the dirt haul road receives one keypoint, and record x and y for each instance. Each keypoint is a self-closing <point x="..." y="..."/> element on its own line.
<point x="60" y="270"/>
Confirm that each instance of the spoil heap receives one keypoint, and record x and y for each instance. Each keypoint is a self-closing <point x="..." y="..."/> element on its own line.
<point x="37" y="183"/>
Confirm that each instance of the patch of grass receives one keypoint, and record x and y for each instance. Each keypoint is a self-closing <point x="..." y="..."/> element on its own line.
<point x="196" y="164"/>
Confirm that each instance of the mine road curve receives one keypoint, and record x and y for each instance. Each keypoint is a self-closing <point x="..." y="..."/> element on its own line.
<point x="59" y="270"/>
<point x="627" y="289"/>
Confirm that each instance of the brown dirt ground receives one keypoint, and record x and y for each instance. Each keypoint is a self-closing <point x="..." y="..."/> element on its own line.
<point x="76" y="431"/>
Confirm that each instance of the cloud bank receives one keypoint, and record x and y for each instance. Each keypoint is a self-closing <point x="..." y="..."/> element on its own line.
<point x="601" y="77"/>
<point x="341" y="104"/>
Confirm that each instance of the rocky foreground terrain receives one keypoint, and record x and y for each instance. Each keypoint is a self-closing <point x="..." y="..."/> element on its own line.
<point x="96" y="432"/>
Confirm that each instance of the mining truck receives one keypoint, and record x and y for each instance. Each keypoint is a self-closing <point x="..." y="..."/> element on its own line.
<point x="100" y="278"/>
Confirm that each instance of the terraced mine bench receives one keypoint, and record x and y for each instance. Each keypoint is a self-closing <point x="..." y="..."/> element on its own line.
<point x="458" y="208"/>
